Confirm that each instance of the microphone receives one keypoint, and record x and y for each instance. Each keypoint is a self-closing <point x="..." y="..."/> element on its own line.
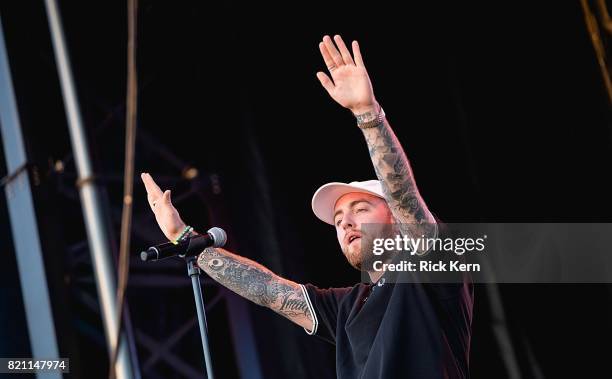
<point x="215" y="237"/>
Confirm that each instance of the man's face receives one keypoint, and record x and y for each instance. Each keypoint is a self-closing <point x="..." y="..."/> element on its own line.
<point x="350" y="212"/>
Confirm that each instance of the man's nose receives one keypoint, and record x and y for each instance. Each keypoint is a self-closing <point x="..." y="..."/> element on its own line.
<point x="347" y="223"/>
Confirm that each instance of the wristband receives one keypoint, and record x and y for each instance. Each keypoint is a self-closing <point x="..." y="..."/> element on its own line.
<point x="184" y="234"/>
<point x="378" y="120"/>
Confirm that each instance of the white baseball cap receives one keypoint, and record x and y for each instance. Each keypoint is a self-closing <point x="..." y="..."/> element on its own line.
<point x="325" y="198"/>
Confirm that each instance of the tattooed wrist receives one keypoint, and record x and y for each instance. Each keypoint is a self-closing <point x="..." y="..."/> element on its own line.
<point x="365" y="117"/>
<point x="365" y="114"/>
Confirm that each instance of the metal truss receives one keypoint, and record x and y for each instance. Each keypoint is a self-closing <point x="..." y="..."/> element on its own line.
<point x="159" y="280"/>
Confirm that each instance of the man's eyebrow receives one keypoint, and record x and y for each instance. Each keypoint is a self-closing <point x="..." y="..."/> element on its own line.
<point x="351" y="205"/>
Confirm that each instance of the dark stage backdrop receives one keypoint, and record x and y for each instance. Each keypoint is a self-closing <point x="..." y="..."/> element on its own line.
<point x="499" y="105"/>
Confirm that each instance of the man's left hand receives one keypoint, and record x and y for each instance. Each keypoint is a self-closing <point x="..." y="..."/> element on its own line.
<point x="350" y="84"/>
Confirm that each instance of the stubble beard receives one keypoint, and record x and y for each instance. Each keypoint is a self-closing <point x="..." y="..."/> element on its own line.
<point x="360" y="255"/>
<point x="353" y="255"/>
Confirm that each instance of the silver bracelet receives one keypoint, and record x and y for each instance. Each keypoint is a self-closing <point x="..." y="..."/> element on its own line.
<point x="379" y="119"/>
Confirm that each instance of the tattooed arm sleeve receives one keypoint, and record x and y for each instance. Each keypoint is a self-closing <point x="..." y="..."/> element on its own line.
<point x="258" y="284"/>
<point x="393" y="170"/>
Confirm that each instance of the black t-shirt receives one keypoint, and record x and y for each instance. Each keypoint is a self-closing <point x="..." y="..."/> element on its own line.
<point x="396" y="330"/>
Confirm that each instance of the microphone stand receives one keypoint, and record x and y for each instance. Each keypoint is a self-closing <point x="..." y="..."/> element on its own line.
<point x="215" y="237"/>
<point x="194" y="273"/>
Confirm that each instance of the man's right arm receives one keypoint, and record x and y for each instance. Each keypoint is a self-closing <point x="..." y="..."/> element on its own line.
<point x="241" y="275"/>
<point x="253" y="281"/>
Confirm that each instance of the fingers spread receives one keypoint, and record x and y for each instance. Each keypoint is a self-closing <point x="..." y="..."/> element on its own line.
<point x="329" y="44"/>
<point x="346" y="55"/>
<point x="357" y="54"/>
<point x="329" y="62"/>
<point x="325" y="82"/>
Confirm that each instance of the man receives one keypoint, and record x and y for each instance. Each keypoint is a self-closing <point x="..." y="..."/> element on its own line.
<point x="381" y="330"/>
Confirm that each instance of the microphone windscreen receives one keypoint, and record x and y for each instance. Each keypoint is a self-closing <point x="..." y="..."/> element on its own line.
<point x="219" y="236"/>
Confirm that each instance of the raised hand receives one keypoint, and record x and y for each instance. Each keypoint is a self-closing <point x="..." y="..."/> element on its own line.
<point x="166" y="215"/>
<point x="349" y="85"/>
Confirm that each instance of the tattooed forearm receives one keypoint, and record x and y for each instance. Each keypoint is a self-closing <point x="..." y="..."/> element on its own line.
<point x="291" y="305"/>
<point x="255" y="282"/>
<point x="393" y="170"/>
